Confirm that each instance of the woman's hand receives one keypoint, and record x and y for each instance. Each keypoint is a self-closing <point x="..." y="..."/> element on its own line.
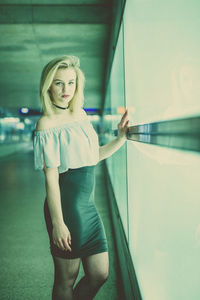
<point x="62" y="237"/>
<point x="123" y="126"/>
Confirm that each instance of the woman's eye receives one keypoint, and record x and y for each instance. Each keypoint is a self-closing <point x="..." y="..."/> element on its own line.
<point x="58" y="83"/>
<point x="71" y="82"/>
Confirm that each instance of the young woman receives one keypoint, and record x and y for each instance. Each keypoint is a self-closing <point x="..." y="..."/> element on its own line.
<point x="66" y="148"/>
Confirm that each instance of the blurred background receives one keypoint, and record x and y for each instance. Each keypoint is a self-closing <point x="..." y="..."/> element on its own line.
<point x="143" y="55"/>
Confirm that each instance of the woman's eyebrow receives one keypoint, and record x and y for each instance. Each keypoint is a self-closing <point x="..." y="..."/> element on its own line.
<point x="62" y="80"/>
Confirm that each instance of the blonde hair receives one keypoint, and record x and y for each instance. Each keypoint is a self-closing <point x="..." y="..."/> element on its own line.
<point x="48" y="73"/>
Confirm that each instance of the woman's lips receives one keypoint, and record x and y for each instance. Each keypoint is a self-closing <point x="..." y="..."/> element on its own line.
<point x="65" y="96"/>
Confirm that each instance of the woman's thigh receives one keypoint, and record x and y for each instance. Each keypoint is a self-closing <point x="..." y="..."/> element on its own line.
<point x="66" y="270"/>
<point x="96" y="266"/>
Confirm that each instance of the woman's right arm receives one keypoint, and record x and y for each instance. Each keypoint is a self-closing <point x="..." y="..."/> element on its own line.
<point x="61" y="234"/>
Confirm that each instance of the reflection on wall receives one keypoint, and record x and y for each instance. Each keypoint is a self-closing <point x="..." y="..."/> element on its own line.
<point x="156" y="75"/>
<point x="114" y="109"/>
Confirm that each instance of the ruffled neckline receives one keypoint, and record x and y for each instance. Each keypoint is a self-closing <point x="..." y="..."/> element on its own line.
<point x="65" y="125"/>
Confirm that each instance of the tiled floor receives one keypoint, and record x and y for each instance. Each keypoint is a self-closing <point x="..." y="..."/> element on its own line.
<point x="26" y="263"/>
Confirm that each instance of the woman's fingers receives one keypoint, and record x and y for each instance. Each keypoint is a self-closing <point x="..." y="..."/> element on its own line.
<point x="62" y="244"/>
<point x="124" y="117"/>
<point x="64" y="241"/>
<point x="66" y="246"/>
<point x="124" y="124"/>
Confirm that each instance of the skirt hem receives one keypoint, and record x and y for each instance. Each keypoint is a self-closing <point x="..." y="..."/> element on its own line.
<point x="80" y="256"/>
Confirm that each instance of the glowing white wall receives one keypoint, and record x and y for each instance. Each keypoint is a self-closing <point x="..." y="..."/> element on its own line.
<point x="162" y="81"/>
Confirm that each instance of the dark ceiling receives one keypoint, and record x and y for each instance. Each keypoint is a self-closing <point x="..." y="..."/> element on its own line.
<point x="34" y="32"/>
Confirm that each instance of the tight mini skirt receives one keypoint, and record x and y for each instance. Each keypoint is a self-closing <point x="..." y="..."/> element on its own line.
<point x="80" y="215"/>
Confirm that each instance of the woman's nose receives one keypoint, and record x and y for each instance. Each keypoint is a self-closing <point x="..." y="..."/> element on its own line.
<point x="64" y="88"/>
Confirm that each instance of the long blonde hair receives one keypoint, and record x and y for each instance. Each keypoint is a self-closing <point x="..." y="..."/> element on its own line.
<point x="48" y="72"/>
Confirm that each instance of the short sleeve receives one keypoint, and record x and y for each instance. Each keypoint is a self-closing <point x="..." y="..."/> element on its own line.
<point x="46" y="148"/>
<point x="70" y="145"/>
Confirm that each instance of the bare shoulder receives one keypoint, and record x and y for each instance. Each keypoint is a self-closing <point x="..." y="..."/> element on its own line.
<point x="46" y="122"/>
<point x="43" y="123"/>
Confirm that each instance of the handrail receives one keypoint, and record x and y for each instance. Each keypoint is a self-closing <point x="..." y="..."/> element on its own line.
<point x="181" y="133"/>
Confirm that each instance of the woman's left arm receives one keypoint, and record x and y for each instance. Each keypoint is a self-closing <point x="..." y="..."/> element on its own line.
<point x="110" y="148"/>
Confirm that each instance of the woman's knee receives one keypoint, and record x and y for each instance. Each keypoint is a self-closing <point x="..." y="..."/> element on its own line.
<point x="66" y="282"/>
<point x="62" y="291"/>
<point x="100" y="276"/>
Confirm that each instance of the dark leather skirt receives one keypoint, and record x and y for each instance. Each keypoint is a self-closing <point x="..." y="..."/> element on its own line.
<point x="80" y="215"/>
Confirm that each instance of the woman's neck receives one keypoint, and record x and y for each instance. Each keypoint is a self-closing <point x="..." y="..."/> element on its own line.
<point x="61" y="107"/>
<point x="61" y="112"/>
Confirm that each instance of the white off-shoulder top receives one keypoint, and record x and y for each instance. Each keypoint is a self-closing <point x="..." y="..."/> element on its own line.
<point x="71" y="145"/>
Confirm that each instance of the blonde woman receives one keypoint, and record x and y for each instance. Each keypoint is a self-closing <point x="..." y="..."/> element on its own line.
<point x="66" y="148"/>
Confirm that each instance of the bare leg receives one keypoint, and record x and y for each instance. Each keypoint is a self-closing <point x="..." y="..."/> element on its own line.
<point x="96" y="269"/>
<point x="65" y="274"/>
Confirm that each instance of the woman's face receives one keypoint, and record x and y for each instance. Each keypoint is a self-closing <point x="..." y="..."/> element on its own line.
<point x="63" y="86"/>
